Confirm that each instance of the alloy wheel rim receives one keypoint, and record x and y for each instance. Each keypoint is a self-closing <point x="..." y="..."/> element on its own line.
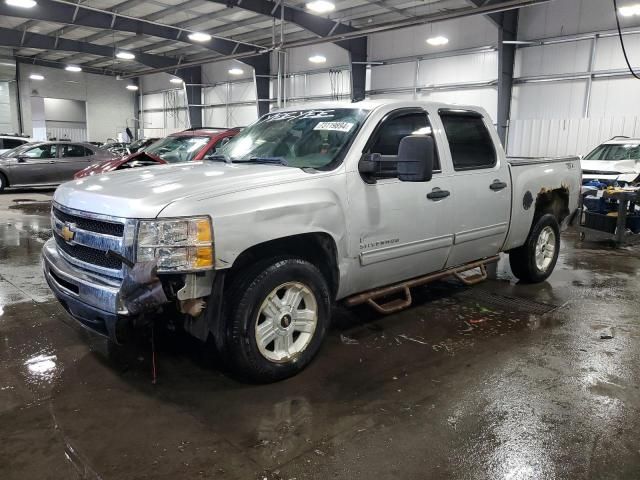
<point x="545" y="248"/>
<point x="286" y="322"/>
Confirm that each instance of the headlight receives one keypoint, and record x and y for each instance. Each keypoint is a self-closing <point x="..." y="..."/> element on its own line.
<point x="183" y="244"/>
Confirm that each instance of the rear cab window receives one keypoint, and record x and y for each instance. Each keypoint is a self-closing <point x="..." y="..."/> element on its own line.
<point x="469" y="140"/>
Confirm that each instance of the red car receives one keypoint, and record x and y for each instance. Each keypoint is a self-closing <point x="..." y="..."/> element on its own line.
<point x="190" y="145"/>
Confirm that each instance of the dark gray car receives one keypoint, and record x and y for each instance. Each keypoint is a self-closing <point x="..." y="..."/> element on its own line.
<point x="47" y="163"/>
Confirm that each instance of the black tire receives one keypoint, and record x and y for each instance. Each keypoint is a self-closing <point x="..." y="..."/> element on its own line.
<point x="239" y="346"/>
<point x="3" y="182"/>
<point x="523" y="259"/>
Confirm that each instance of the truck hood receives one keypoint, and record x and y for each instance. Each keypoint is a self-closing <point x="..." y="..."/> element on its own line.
<point x="145" y="192"/>
<point x="611" y="167"/>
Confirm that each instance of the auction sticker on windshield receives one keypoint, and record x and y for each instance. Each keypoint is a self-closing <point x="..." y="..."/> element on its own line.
<point x="334" y="126"/>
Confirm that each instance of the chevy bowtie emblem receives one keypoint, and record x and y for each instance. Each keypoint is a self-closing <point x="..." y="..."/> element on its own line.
<point x="67" y="232"/>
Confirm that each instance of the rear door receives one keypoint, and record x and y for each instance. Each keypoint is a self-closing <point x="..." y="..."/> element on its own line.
<point x="34" y="165"/>
<point x="482" y="204"/>
<point x="73" y="158"/>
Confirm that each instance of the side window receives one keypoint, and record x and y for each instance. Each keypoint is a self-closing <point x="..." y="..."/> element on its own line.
<point x="469" y="140"/>
<point x="42" y="151"/>
<point x="72" y="151"/>
<point x="387" y="139"/>
<point x="88" y="152"/>
<point x="11" y="143"/>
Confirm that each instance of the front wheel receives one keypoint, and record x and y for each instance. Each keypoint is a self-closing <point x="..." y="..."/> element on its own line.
<point x="3" y="182"/>
<point x="278" y="314"/>
<point x="535" y="260"/>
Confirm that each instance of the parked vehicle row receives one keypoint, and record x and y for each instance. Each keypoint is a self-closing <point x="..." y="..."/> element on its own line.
<point x="9" y="142"/>
<point x="52" y="163"/>
<point x="306" y="207"/>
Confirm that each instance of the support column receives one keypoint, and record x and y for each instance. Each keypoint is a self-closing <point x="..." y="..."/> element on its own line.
<point x="192" y="77"/>
<point x="262" y="79"/>
<point x="357" y="60"/>
<point x="507" y="30"/>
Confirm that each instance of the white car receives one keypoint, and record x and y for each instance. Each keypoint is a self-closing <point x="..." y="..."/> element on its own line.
<point x="617" y="160"/>
<point x="9" y="142"/>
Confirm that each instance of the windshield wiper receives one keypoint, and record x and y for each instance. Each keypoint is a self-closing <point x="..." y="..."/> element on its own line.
<point x="268" y="161"/>
<point x="218" y="157"/>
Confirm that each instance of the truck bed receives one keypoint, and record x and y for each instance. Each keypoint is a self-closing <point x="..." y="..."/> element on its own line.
<point x="520" y="161"/>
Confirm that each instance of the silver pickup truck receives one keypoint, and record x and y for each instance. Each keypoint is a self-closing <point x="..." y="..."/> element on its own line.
<point x="356" y="203"/>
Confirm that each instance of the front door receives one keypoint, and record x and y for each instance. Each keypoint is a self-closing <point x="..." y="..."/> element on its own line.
<point x="34" y="165"/>
<point x="482" y="183"/>
<point x="399" y="230"/>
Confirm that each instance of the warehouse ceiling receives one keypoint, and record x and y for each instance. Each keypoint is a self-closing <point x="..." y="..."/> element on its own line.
<point x="58" y="31"/>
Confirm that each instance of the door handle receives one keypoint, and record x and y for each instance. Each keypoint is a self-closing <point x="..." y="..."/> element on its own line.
<point x="437" y="194"/>
<point x="498" y="185"/>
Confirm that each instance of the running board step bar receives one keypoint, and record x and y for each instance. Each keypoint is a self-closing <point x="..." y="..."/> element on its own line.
<point x="398" y="304"/>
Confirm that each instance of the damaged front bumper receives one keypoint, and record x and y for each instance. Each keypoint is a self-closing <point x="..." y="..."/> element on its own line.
<point x="91" y="299"/>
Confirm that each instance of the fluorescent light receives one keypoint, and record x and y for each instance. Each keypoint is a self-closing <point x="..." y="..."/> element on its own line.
<point x="199" y="37"/>
<point x="125" y="55"/>
<point x="520" y="42"/>
<point x="437" y="41"/>
<point x="236" y="71"/>
<point x="21" y="3"/>
<point x="36" y="76"/>
<point x="72" y="68"/>
<point x="176" y="80"/>
<point x="133" y="88"/>
<point x="318" y="59"/>
<point x="321" y="6"/>
<point x="630" y="10"/>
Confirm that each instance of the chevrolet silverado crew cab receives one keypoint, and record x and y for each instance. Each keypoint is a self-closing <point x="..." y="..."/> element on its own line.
<point x="354" y="203"/>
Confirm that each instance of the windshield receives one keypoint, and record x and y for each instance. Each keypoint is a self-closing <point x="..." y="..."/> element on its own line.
<point x="177" y="149"/>
<point x="304" y="138"/>
<point x="612" y="153"/>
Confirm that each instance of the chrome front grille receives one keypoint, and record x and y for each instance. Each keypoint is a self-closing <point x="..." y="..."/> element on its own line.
<point x="83" y="239"/>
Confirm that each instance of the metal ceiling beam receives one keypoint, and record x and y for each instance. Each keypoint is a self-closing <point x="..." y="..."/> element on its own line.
<point x="60" y="11"/>
<point x="321" y="26"/>
<point x="51" y="64"/>
<point x="17" y="39"/>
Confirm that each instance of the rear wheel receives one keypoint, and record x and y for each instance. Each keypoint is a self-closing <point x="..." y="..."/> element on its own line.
<point x="535" y="260"/>
<point x="277" y="316"/>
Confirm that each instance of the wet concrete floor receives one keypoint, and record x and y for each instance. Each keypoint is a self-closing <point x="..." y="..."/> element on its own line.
<point x="498" y="381"/>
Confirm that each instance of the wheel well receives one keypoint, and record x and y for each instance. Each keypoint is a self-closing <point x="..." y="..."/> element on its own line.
<point x="318" y="249"/>
<point x="555" y="202"/>
<point x="5" y="178"/>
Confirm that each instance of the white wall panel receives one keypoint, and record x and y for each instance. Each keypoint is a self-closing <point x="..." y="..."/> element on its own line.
<point x="610" y="56"/>
<point x="5" y="109"/>
<point x="153" y="100"/>
<point x="469" y="32"/>
<point x="242" y="115"/>
<point x="548" y="100"/>
<point x="298" y="58"/>
<point x="215" y="95"/>
<point x="552" y="59"/>
<point x="475" y="67"/>
<point x="558" y="137"/>
<point x="215" y="117"/>
<point x="567" y="17"/>
<point x="393" y="76"/>
<point x="243" y="92"/>
<point x="615" y="96"/>
<point x="219" y="72"/>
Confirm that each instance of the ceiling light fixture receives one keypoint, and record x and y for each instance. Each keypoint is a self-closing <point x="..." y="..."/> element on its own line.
<point x="133" y="88"/>
<point x="437" y="41"/>
<point x="236" y="71"/>
<point x="21" y="3"/>
<point x="199" y="37"/>
<point x="317" y="59"/>
<point x="321" y="6"/>
<point x="36" y="76"/>
<point x="630" y="10"/>
<point x="72" y="68"/>
<point x="520" y="42"/>
<point x="125" y="55"/>
<point x="176" y="80"/>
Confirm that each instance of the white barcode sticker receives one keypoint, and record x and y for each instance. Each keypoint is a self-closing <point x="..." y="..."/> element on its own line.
<point x="334" y="126"/>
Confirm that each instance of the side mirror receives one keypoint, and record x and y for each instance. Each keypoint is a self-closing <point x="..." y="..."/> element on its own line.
<point x="415" y="158"/>
<point x="22" y="159"/>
